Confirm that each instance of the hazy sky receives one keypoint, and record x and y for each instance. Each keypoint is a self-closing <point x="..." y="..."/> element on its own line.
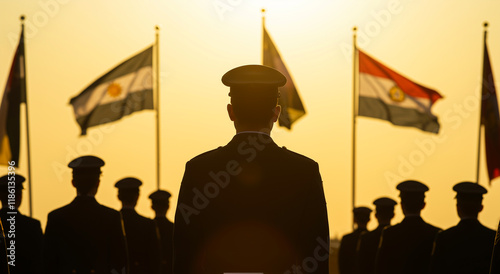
<point x="70" y="43"/>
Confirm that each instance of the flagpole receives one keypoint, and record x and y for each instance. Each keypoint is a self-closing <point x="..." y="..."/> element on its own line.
<point x="157" y="107"/>
<point x="354" y="113"/>
<point x="30" y="185"/>
<point x="480" y="112"/>
<point x="263" y="11"/>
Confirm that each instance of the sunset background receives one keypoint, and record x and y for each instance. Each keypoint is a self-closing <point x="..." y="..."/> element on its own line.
<point x="438" y="44"/>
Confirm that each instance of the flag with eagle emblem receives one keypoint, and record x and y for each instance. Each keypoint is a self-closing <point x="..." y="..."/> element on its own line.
<point x="125" y="89"/>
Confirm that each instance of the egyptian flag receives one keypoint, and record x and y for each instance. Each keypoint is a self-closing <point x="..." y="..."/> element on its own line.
<point x="291" y="105"/>
<point x="385" y="94"/>
<point x="125" y="89"/>
<point x="13" y="96"/>
<point x="490" y="118"/>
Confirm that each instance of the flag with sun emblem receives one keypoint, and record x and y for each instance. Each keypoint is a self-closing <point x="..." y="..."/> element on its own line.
<point x="127" y="88"/>
<point x="385" y="94"/>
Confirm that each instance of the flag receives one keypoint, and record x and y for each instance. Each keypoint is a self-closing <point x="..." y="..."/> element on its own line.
<point x="125" y="89"/>
<point x="291" y="105"/>
<point x="490" y="118"/>
<point x="385" y="94"/>
<point x="10" y="108"/>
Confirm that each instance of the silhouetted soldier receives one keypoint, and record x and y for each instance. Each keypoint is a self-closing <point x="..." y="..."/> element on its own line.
<point x="349" y="243"/>
<point x="25" y="232"/>
<point x="160" y="204"/>
<point x="495" y="258"/>
<point x="140" y="232"/>
<point x="369" y="241"/>
<point x="406" y="247"/>
<point x="84" y="236"/>
<point x="251" y="206"/>
<point x="466" y="247"/>
<point x="4" y="266"/>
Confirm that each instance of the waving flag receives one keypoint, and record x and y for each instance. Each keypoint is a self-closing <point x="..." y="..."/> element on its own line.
<point x="13" y="96"/>
<point x="291" y="105"/>
<point x="490" y="118"/>
<point x="125" y="89"/>
<point x="385" y="94"/>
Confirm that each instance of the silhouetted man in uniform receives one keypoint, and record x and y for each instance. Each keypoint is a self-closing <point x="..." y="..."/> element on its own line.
<point x="251" y="206"/>
<point x="369" y="241"/>
<point x="140" y="232"/>
<point x="495" y="258"/>
<point x="406" y="247"/>
<point x="26" y="233"/>
<point x="349" y="243"/>
<point x="466" y="247"/>
<point x="160" y="203"/>
<point x="84" y="236"/>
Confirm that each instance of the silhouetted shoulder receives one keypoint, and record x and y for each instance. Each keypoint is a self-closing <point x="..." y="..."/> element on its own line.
<point x="29" y="221"/>
<point x="204" y="155"/>
<point x="297" y="156"/>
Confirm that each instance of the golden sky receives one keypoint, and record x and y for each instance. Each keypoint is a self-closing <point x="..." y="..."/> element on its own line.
<point x="70" y="43"/>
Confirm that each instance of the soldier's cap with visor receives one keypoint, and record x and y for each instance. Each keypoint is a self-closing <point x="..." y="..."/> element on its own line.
<point x="15" y="180"/>
<point x="468" y="191"/>
<point x="384" y="202"/>
<point x="160" y="195"/>
<point x="128" y="183"/>
<point x="86" y="164"/>
<point x="254" y="81"/>
<point x="361" y="211"/>
<point x="412" y="189"/>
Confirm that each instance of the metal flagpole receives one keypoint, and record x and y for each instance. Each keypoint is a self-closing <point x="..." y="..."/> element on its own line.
<point x="157" y="107"/>
<point x="354" y="113"/>
<point x="263" y="27"/>
<point x="23" y="70"/>
<point x="480" y="111"/>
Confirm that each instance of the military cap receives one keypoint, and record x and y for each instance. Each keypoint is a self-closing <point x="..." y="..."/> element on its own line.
<point x="384" y="202"/>
<point x="361" y="210"/>
<point x="254" y="75"/>
<point x="18" y="179"/>
<point x="128" y="183"/>
<point x="87" y="161"/>
<point x="412" y="186"/>
<point x="469" y="191"/>
<point x="160" y="195"/>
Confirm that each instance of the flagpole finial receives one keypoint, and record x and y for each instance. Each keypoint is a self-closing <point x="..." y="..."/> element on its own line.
<point x="22" y="18"/>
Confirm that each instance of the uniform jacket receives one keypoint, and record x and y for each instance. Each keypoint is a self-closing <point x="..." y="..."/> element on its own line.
<point x="348" y="252"/>
<point x="142" y="243"/>
<point x="166" y="232"/>
<point x="464" y="248"/>
<point x="406" y="247"/>
<point x="28" y="238"/>
<point x="367" y="250"/>
<point x="82" y="237"/>
<point x="251" y="206"/>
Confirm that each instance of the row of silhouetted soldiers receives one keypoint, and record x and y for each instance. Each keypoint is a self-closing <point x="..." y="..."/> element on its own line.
<point x="415" y="246"/>
<point x="85" y="236"/>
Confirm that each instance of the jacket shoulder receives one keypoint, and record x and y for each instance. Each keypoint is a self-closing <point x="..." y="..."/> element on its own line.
<point x="298" y="156"/>
<point x="205" y="154"/>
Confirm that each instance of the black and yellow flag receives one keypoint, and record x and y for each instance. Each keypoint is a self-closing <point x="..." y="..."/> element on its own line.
<point x="291" y="105"/>
<point x="13" y="96"/>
